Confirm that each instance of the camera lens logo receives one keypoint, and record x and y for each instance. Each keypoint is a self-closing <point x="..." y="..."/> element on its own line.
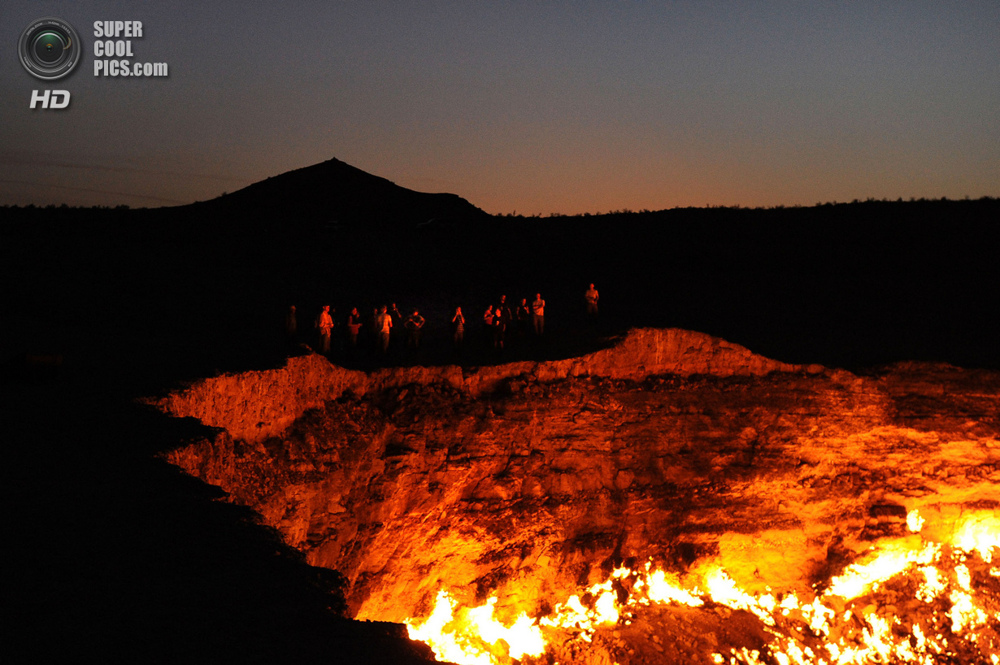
<point x="49" y="48"/>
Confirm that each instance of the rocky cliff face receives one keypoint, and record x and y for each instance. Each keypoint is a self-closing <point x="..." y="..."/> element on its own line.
<point x="259" y="405"/>
<point x="532" y="481"/>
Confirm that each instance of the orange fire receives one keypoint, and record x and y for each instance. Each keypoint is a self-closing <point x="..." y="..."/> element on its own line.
<point x="843" y="624"/>
<point x="474" y="637"/>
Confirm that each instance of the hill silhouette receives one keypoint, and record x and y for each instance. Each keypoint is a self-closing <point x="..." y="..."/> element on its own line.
<point x="333" y="193"/>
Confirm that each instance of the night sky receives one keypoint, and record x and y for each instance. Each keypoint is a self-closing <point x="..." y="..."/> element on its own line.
<point x="533" y="107"/>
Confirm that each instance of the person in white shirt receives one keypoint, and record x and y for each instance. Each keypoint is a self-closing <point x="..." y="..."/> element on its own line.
<point x="538" y="314"/>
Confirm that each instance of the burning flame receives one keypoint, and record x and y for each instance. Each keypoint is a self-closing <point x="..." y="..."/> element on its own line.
<point x="664" y="588"/>
<point x="464" y="639"/>
<point x="978" y="533"/>
<point x="841" y="625"/>
<point x="894" y="559"/>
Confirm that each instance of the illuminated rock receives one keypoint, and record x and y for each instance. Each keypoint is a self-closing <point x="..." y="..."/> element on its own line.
<point x="532" y="482"/>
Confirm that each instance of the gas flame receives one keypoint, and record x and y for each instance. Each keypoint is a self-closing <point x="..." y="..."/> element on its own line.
<point x="840" y="625"/>
<point x="894" y="559"/>
<point x="466" y="638"/>
<point x="978" y="532"/>
<point x="914" y="522"/>
<point x="663" y="587"/>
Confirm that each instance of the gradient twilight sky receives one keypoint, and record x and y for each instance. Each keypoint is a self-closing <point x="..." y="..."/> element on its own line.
<point x="534" y="107"/>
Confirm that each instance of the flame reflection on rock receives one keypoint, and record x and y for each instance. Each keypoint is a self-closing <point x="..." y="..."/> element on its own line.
<point x="907" y="601"/>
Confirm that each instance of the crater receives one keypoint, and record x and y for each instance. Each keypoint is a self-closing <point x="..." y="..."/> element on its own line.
<point x="734" y="478"/>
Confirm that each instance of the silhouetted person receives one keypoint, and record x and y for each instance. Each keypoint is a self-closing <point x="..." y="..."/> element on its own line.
<point x="291" y="324"/>
<point x="590" y="297"/>
<point x="397" y="324"/>
<point x="324" y="323"/>
<point x="499" y="328"/>
<point x="504" y="310"/>
<point x="383" y="326"/>
<point x="506" y="315"/>
<point x="488" y="325"/>
<point x="523" y="318"/>
<point x="458" y="329"/>
<point x="353" y="327"/>
<point x="538" y="315"/>
<point x="372" y="341"/>
<point x="414" y="325"/>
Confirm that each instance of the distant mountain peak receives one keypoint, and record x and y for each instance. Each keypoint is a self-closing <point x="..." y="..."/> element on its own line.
<point x="336" y="191"/>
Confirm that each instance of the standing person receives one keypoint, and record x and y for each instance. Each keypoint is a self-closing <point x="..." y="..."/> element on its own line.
<point x="504" y="310"/>
<point x="458" y="329"/>
<point x="488" y="325"/>
<point x="383" y="326"/>
<point x="499" y="328"/>
<point x="591" y="296"/>
<point x="414" y="324"/>
<point x="523" y="318"/>
<point x="291" y="324"/>
<point x="324" y="323"/>
<point x="398" y="325"/>
<point x="538" y="315"/>
<point x="353" y="327"/>
<point x="371" y="338"/>
<point x="506" y="317"/>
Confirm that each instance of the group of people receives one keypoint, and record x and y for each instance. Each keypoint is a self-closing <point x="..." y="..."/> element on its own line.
<point x="500" y="321"/>
<point x="381" y="323"/>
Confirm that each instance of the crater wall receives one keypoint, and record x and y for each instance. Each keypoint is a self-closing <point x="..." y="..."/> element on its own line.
<point x="254" y="406"/>
<point x="529" y="481"/>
